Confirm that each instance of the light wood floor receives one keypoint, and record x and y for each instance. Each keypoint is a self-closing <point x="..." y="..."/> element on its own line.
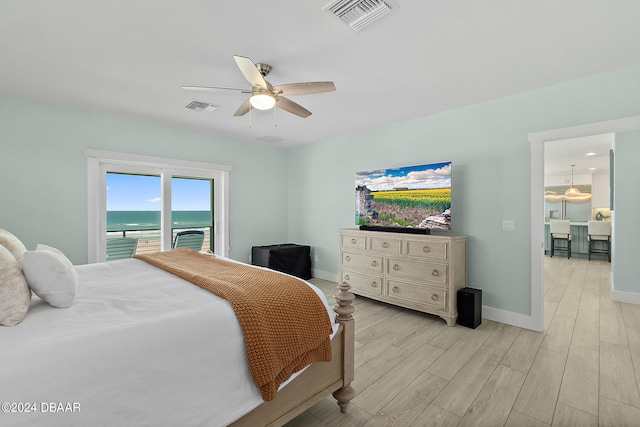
<point x="413" y="370"/>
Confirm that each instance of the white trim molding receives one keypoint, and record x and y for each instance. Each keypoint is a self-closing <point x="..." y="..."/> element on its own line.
<point x="511" y="318"/>
<point x="99" y="162"/>
<point x="537" y="140"/>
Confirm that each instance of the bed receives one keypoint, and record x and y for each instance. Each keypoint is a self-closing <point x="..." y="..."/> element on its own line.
<point x="141" y="346"/>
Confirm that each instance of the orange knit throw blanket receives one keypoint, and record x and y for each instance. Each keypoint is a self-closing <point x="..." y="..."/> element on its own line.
<point x="285" y="324"/>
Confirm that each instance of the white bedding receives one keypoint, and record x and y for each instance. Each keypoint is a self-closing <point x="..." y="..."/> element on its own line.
<point x="138" y="347"/>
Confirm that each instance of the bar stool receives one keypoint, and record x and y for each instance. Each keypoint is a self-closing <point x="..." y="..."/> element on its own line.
<point x="560" y="232"/>
<point x="599" y="231"/>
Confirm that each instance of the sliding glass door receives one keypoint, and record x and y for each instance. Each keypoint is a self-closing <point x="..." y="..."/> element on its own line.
<point x="139" y="206"/>
<point x="192" y="208"/>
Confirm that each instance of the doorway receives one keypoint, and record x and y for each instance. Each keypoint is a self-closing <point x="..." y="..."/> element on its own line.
<point x="537" y="145"/>
<point x="576" y="174"/>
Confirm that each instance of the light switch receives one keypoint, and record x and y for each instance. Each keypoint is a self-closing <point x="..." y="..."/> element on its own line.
<point x="508" y="225"/>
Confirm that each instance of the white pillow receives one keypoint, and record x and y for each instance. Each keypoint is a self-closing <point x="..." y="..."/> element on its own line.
<point x="15" y="295"/>
<point x="13" y="244"/>
<point x="51" y="276"/>
<point x="45" y="248"/>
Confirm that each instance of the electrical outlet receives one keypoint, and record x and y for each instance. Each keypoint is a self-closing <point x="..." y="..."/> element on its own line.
<point x="315" y="258"/>
<point x="508" y="225"/>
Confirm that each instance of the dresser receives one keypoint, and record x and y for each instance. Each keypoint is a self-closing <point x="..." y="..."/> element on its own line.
<point x="421" y="272"/>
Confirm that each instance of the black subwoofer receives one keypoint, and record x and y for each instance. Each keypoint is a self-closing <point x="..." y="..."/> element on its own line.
<point x="470" y="307"/>
<point x="286" y="257"/>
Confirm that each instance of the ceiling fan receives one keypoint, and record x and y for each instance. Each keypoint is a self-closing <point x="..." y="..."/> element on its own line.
<point x="263" y="95"/>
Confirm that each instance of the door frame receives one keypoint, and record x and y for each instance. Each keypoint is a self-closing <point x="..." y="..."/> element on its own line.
<point x="99" y="161"/>
<point x="537" y="140"/>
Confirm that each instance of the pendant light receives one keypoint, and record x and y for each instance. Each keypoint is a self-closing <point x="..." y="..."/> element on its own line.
<point x="573" y="193"/>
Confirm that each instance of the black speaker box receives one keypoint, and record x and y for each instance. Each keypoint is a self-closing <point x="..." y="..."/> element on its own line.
<point x="470" y="307"/>
<point x="286" y="257"/>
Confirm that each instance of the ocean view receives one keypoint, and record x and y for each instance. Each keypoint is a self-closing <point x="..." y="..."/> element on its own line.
<point x="150" y="220"/>
<point x="145" y="226"/>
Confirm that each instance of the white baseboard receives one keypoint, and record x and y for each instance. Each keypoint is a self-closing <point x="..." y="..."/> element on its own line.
<point x="332" y="277"/>
<point x="622" y="296"/>
<point x="510" y="318"/>
<point x="489" y="313"/>
<point x="628" y="297"/>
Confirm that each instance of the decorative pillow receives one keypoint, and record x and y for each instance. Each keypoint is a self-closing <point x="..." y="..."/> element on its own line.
<point x="51" y="276"/>
<point x="15" y="295"/>
<point x="45" y="248"/>
<point x="13" y="244"/>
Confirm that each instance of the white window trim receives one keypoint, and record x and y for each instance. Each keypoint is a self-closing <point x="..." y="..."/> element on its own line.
<point x="99" y="162"/>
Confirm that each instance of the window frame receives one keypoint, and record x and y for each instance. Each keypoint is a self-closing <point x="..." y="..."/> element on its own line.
<point x="100" y="162"/>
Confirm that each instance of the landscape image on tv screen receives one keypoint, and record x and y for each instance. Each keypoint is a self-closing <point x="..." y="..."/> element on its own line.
<point x="411" y="196"/>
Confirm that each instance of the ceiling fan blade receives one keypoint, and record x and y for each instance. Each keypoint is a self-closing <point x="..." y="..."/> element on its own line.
<point x="243" y="109"/>
<point x="250" y="72"/>
<point x="307" y="88"/>
<point x="215" y="89"/>
<point x="292" y="107"/>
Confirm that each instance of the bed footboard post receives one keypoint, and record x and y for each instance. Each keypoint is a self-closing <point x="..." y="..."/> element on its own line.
<point x="344" y="315"/>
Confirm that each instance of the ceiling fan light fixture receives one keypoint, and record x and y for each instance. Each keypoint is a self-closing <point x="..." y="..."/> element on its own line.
<point x="262" y="101"/>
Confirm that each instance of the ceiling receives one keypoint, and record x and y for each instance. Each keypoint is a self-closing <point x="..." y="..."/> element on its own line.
<point x="426" y="56"/>
<point x="589" y="155"/>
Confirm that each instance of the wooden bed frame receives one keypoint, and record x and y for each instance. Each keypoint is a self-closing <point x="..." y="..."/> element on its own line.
<point x="319" y="379"/>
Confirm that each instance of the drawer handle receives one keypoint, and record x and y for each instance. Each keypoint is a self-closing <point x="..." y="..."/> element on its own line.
<point x="385" y="245"/>
<point x="425" y="249"/>
<point x="396" y="267"/>
<point x="395" y="289"/>
<point x="434" y="297"/>
<point x="346" y="277"/>
<point x="435" y="273"/>
<point x="347" y="258"/>
<point x="374" y="284"/>
<point x="374" y="263"/>
<point x="353" y="241"/>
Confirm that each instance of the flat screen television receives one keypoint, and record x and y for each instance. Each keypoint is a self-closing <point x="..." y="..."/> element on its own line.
<point x="410" y="199"/>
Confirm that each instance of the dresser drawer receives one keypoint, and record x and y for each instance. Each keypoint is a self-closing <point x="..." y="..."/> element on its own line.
<point x="364" y="263"/>
<point x="418" y="272"/>
<point x="422" y="249"/>
<point x="422" y="294"/>
<point x="352" y="241"/>
<point x="362" y="282"/>
<point x="386" y="245"/>
<point x="422" y="270"/>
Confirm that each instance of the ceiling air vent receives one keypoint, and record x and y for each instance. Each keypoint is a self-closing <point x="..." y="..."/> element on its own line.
<point x="357" y="14"/>
<point x="270" y="139"/>
<point x="200" y="106"/>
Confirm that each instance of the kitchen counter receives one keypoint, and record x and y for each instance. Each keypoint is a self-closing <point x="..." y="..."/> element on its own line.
<point x="579" y="242"/>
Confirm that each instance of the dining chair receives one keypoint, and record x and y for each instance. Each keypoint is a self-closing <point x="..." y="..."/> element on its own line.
<point x="599" y="237"/>
<point x="560" y="232"/>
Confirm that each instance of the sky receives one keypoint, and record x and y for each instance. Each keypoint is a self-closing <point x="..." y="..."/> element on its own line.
<point x="142" y="193"/>
<point x="435" y="175"/>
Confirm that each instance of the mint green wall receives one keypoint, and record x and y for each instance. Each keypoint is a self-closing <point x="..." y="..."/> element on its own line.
<point x="488" y="146"/>
<point x="43" y="173"/>
<point x="627" y="207"/>
<point x="304" y="195"/>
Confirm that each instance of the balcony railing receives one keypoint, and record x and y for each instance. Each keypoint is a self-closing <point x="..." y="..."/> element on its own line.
<point x="149" y="239"/>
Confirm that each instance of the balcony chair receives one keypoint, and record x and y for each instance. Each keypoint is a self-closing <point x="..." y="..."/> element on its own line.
<point x="560" y="232"/>
<point x="599" y="237"/>
<point x="189" y="239"/>
<point x="121" y="248"/>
